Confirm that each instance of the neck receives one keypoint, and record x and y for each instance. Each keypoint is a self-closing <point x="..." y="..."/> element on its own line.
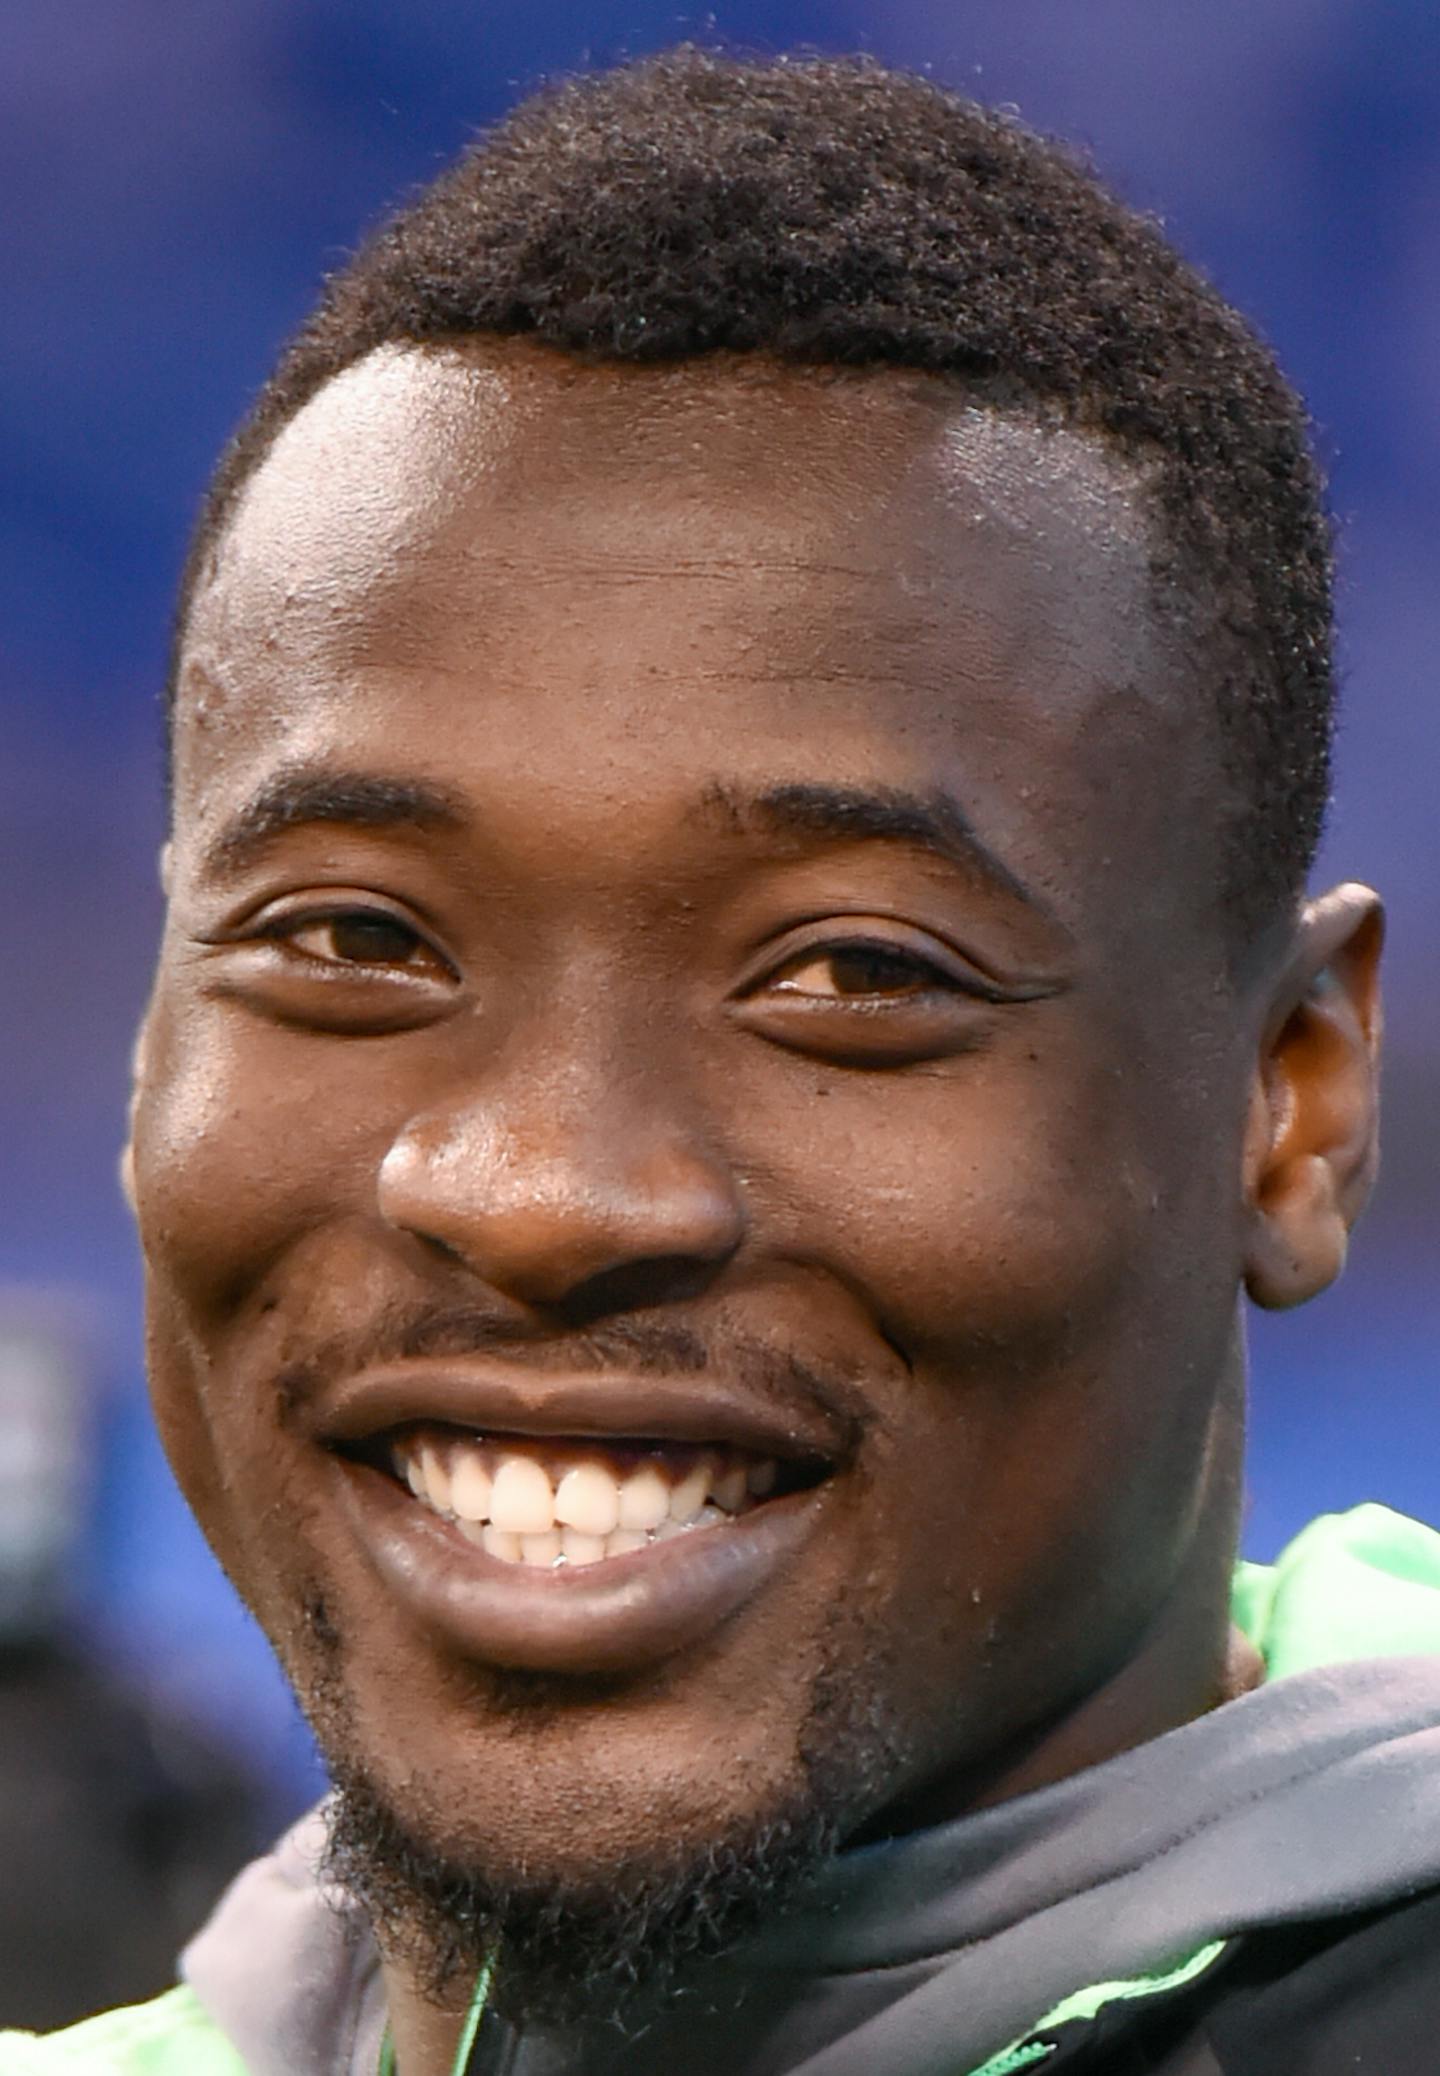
<point x="426" y="2036"/>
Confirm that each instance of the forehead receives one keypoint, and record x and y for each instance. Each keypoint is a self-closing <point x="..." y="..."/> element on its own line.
<point x="527" y="569"/>
<point x="420" y="454"/>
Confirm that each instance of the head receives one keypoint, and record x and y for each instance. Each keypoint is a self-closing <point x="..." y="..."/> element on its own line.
<point x="749" y="722"/>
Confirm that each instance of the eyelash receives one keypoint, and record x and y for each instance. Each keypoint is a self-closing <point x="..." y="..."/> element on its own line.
<point x="931" y="1011"/>
<point x="928" y="976"/>
<point x="286" y="929"/>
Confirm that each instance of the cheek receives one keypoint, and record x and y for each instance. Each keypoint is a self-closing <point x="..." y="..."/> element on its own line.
<point x="246" y="1141"/>
<point x="1046" y="1262"/>
<point x="1029" y="1242"/>
<point x="241" y="1155"/>
<point x="990" y="1208"/>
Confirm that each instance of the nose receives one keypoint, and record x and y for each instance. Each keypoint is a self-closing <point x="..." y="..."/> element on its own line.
<point x="567" y="1195"/>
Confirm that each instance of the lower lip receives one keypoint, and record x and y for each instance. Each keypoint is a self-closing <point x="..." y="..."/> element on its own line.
<point x="619" y="1615"/>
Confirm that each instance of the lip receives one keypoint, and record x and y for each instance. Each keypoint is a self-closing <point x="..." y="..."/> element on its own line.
<point x="584" y="1407"/>
<point x="616" y="1616"/>
<point x="622" y="1613"/>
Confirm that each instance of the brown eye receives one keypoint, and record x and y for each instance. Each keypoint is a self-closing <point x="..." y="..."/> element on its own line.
<point x="361" y="937"/>
<point x="850" y="970"/>
<point x="372" y="940"/>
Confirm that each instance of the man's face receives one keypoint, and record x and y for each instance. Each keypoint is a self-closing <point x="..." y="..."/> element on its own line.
<point x="692" y="954"/>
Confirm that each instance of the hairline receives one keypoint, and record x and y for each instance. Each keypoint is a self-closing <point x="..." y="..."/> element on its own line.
<point x="997" y="400"/>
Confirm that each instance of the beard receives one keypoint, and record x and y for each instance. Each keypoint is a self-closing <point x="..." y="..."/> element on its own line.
<point x="607" y="1946"/>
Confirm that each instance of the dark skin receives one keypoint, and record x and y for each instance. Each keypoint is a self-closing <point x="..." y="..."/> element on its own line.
<point x="983" y="1133"/>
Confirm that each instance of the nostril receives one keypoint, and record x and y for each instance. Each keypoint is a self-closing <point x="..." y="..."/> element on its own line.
<point x="637" y="1286"/>
<point x="599" y="1216"/>
<point x="434" y="1244"/>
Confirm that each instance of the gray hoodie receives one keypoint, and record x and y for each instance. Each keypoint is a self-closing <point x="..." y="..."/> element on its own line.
<point x="1315" y="1795"/>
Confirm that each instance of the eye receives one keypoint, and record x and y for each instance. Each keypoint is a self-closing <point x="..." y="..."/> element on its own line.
<point x="369" y="937"/>
<point x="881" y="1001"/>
<point x="848" y="972"/>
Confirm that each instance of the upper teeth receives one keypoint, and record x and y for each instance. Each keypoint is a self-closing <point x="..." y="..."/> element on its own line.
<point x="566" y="1506"/>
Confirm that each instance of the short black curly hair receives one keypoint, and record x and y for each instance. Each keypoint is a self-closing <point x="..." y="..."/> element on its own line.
<point x="835" y="211"/>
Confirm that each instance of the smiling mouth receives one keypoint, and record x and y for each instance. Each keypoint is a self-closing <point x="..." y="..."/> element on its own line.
<point x="566" y="1523"/>
<point x="557" y="1504"/>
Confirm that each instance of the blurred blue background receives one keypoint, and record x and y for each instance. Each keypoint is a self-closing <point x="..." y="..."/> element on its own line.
<point x="175" y="179"/>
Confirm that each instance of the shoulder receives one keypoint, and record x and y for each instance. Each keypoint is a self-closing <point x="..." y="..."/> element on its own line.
<point x="1365" y="1989"/>
<point x="1330" y="1997"/>
<point x="173" y="2036"/>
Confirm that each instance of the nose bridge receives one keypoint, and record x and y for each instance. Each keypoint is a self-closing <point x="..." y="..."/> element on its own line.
<point x="550" y="1165"/>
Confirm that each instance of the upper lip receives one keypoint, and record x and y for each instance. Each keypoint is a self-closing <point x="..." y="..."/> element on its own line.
<point x="488" y="1398"/>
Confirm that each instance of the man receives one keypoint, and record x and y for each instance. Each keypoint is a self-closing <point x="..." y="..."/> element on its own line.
<point x="750" y="717"/>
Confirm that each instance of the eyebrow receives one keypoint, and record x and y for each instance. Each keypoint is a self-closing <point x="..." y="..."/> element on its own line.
<point x="809" y="811"/>
<point x="834" y="814"/>
<point x="305" y="794"/>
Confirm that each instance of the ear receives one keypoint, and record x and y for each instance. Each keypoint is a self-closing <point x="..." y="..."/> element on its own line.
<point x="1311" y="1146"/>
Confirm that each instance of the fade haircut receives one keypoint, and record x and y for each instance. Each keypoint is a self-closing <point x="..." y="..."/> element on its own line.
<point x="835" y="212"/>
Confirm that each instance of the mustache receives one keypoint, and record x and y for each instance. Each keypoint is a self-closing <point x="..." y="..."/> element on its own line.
<point x="648" y="1347"/>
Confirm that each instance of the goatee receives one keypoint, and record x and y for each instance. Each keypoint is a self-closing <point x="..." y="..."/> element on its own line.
<point x="565" y="1952"/>
<point x="606" y="1946"/>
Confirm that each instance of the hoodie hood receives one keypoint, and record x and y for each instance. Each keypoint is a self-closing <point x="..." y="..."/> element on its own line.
<point x="1315" y="1795"/>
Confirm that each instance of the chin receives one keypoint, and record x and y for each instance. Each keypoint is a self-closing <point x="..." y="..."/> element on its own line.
<point x="594" y="1936"/>
<point x="603" y="1859"/>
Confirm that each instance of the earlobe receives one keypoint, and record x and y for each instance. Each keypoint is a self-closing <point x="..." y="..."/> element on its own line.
<point x="1300" y="1236"/>
<point x="1312" y="1148"/>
